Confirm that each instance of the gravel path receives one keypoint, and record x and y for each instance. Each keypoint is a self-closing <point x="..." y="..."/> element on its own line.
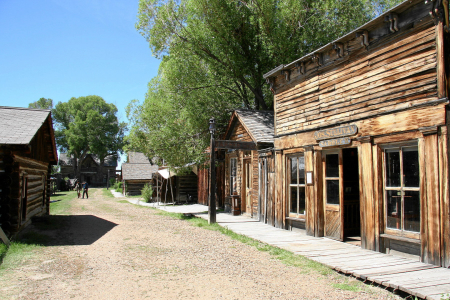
<point x="111" y="249"/>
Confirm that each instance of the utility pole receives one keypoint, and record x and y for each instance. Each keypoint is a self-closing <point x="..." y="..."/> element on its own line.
<point x="212" y="183"/>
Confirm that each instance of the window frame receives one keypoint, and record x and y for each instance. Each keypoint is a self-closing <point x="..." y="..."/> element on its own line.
<point x="298" y="185"/>
<point x="402" y="189"/>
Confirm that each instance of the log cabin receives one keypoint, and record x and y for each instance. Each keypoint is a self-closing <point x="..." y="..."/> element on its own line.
<point x="27" y="152"/>
<point x="361" y="135"/>
<point x="242" y="169"/>
<point x="136" y="172"/>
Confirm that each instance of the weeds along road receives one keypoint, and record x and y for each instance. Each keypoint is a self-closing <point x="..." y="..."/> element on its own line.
<point x="107" y="248"/>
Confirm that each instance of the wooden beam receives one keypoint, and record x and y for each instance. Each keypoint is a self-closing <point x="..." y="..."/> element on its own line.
<point x="236" y="145"/>
<point x="4" y="237"/>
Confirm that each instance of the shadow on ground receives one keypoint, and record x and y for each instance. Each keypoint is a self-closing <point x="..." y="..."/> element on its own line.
<point x="66" y="230"/>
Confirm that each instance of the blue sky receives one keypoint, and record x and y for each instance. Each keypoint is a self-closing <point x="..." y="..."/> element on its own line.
<point x="60" y="49"/>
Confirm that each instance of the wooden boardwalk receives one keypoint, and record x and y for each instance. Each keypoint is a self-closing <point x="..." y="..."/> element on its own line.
<point x="419" y="279"/>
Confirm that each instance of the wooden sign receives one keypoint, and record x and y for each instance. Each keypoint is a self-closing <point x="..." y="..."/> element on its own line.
<point x="335" y="132"/>
<point x="335" y="142"/>
<point x="237" y="145"/>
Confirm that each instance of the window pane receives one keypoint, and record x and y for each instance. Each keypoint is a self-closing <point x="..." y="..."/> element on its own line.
<point x="394" y="209"/>
<point x="293" y="206"/>
<point x="410" y="167"/>
<point x="294" y="170"/>
<point x="301" y="170"/>
<point x="233" y="183"/>
<point x="333" y="191"/>
<point x="332" y="165"/>
<point x="233" y="167"/>
<point x="393" y="168"/>
<point x="301" y="200"/>
<point x="412" y="210"/>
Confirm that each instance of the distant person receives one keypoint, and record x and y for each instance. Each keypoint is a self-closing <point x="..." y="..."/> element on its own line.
<point x="78" y="188"/>
<point x="85" y="189"/>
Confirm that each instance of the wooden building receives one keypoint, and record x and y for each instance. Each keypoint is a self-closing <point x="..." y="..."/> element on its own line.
<point x="361" y="135"/>
<point x="136" y="172"/>
<point x="92" y="172"/>
<point x="203" y="181"/>
<point x="27" y="152"/>
<point x="174" y="187"/>
<point x="242" y="170"/>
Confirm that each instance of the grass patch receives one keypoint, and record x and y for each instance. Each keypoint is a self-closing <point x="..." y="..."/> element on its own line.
<point x="17" y="253"/>
<point x="60" y="203"/>
<point x="135" y="196"/>
<point x="123" y="201"/>
<point x="107" y="193"/>
<point x="354" y="286"/>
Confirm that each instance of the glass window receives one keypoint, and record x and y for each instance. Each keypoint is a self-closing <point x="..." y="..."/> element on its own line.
<point x="402" y="189"/>
<point x="233" y="172"/>
<point x="297" y="203"/>
<point x="332" y="178"/>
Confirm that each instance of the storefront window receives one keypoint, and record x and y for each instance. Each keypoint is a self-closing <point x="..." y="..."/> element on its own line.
<point x="233" y="172"/>
<point x="402" y="189"/>
<point x="297" y="201"/>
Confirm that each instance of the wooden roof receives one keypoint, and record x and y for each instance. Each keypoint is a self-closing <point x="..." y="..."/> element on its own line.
<point x="258" y="123"/>
<point x="140" y="171"/>
<point x="18" y="126"/>
<point x="137" y="158"/>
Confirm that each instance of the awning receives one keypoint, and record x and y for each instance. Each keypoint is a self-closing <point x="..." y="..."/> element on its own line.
<point x="166" y="173"/>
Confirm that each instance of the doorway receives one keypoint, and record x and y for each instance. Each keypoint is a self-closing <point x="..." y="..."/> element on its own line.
<point x="352" y="219"/>
<point x="341" y="194"/>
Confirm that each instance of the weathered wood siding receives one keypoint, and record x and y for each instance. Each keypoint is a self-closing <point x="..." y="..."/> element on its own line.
<point x="394" y="75"/>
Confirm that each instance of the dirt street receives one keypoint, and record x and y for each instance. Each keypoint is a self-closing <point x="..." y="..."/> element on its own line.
<point x="110" y="249"/>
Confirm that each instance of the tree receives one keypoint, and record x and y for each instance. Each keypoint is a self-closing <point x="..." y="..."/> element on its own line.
<point x="42" y="103"/>
<point x="214" y="55"/>
<point x="88" y="125"/>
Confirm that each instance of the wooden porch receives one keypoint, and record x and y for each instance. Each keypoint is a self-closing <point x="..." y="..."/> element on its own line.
<point x="419" y="279"/>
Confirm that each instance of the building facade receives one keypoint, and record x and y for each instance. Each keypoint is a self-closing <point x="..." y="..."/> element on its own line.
<point x="361" y="136"/>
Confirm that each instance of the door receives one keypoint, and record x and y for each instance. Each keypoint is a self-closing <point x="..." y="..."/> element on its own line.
<point x="333" y="194"/>
<point x="263" y="190"/>
<point x="247" y="176"/>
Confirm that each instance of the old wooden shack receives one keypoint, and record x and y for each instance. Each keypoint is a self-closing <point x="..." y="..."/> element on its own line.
<point x="361" y="135"/>
<point x="242" y="171"/>
<point x="175" y="187"/>
<point x="136" y="172"/>
<point x="27" y="152"/>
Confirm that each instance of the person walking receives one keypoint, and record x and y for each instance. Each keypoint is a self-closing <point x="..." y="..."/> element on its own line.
<point x="85" y="189"/>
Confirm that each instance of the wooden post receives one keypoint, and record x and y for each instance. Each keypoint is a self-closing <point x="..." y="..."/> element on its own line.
<point x="4" y="237"/>
<point x="212" y="185"/>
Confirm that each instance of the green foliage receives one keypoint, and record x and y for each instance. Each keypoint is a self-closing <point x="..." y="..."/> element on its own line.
<point x="17" y="253"/>
<point x="147" y="192"/>
<point x="112" y="181"/>
<point x="88" y="125"/>
<point x="107" y="193"/>
<point x="42" y="103"/>
<point x="214" y="55"/>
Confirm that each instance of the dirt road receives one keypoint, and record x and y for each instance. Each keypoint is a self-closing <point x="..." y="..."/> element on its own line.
<point x="110" y="249"/>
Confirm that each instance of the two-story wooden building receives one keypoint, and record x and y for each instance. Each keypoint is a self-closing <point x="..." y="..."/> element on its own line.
<point x="361" y="135"/>
<point x="27" y="152"/>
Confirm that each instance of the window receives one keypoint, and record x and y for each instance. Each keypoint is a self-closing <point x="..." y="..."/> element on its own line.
<point x="233" y="172"/>
<point x="402" y="189"/>
<point x="297" y="203"/>
<point x="332" y="178"/>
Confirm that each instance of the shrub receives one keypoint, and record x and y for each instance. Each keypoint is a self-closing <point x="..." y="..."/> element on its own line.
<point x="112" y="182"/>
<point x="147" y="192"/>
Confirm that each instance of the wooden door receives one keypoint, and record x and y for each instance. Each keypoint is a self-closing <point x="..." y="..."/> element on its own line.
<point x="333" y="194"/>
<point x="247" y="185"/>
